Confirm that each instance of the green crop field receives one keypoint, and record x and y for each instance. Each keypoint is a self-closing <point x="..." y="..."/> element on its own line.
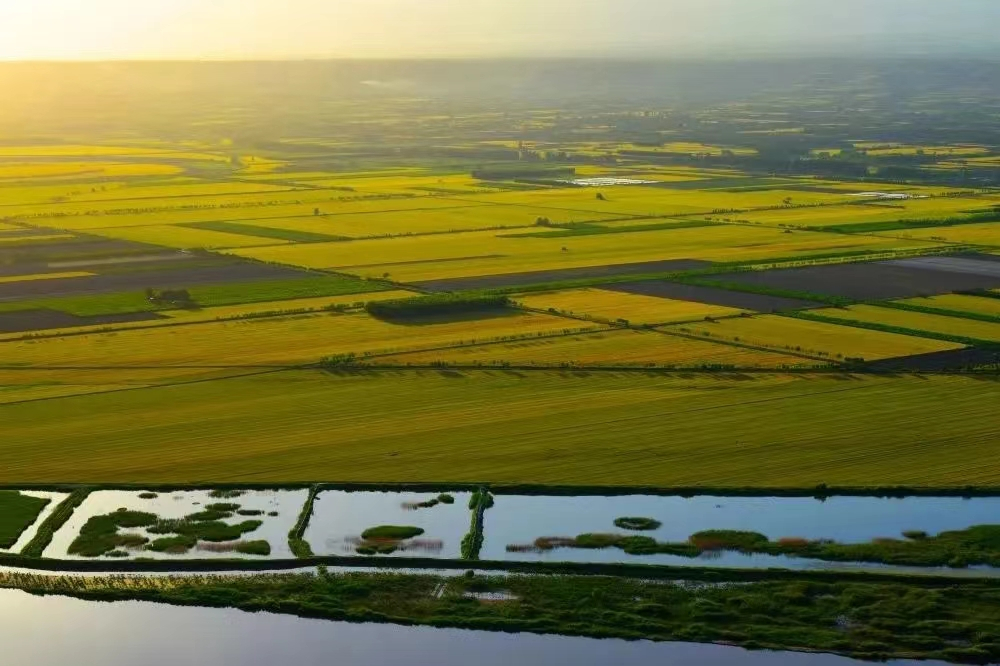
<point x="495" y="426"/>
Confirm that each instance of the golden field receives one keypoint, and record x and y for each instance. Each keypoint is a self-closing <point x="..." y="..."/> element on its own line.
<point x="273" y="341"/>
<point x="43" y="276"/>
<point x="213" y="314"/>
<point x="492" y="253"/>
<point x="937" y="207"/>
<point x="81" y="170"/>
<point x="613" y="305"/>
<point x="605" y="348"/>
<point x="185" y="237"/>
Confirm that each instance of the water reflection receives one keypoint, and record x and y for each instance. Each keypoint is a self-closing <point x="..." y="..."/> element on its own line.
<point x="54" y="631"/>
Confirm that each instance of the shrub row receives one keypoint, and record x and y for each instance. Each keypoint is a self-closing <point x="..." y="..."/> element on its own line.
<point x="436" y="304"/>
<point x="296" y="541"/>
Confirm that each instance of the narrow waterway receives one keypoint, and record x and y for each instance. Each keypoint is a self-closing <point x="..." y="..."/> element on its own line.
<point x="55" y="631"/>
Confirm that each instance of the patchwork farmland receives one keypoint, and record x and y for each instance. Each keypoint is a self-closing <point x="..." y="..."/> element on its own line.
<point x="683" y="353"/>
<point x="193" y="277"/>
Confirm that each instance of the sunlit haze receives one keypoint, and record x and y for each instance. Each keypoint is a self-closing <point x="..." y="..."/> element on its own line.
<point x="237" y="29"/>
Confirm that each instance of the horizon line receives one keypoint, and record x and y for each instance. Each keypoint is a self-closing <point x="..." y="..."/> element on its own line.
<point x="991" y="55"/>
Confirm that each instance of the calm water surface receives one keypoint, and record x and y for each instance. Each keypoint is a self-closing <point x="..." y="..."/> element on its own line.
<point x="519" y="519"/>
<point x="55" y="631"/>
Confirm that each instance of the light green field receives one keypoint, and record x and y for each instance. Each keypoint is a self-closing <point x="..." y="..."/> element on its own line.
<point x="543" y="427"/>
<point x="959" y="303"/>
<point x="977" y="234"/>
<point x="815" y="338"/>
<point x="917" y="321"/>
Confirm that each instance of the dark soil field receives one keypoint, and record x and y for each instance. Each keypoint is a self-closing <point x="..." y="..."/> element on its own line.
<point x="926" y="276"/>
<point x="23" y="259"/>
<point x="541" y="277"/>
<point x="40" y="320"/>
<point x="711" y="295"/>
<point x="176" y="278"/>
<point x="955" y="359"/>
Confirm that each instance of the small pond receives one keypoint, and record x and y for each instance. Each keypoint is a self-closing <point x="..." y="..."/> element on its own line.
<point x="286" y="504"/>
<point x="55" y="631"/>
<point x="340" y="517"/>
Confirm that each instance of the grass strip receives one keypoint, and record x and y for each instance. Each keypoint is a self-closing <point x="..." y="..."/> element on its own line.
<point x="436" y="305"/>
<point x="897" y="225"/>
<point x="296" y="536"/>
<point x="47" y="530"/>
<point x="472" y="543"/>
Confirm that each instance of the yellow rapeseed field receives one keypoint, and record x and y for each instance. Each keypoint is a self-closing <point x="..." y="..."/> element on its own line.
<point x="34" y="239"/>
<point x="43" y="170"/>
<point x="816" y="339"/>
<point x="212" y="314"/>
<point x="78" y="150"/>
<point x="494" y="253"/>
<point x="399" y="222"/>
<point x="280" y="341"/>
<point x="634" y="308"/>
<point x="644" y="200"/>
<point x="939" y="207"/>
<point x="44" y="276"/>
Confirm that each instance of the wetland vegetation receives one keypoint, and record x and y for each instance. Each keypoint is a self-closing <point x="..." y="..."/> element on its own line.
<point x="957" y="622"/>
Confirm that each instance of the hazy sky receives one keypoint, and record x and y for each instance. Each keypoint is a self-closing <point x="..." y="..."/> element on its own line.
<point x="120" y="29"/>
